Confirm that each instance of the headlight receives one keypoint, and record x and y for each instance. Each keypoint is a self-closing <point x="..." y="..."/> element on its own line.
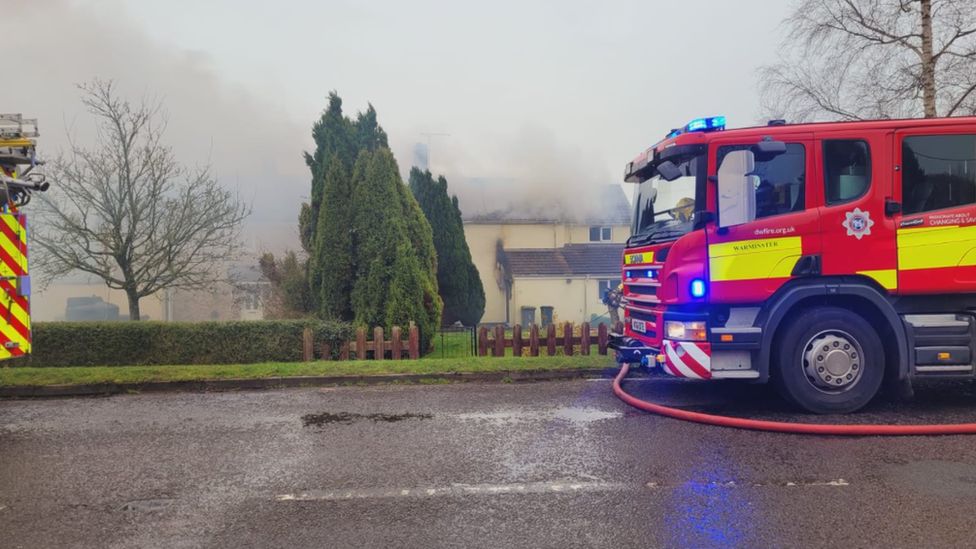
<point x="687" y="331"/>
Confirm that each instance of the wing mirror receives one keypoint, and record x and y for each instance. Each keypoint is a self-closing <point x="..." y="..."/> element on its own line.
<point x="668" y="171"/>
<point x="770" y="147"/>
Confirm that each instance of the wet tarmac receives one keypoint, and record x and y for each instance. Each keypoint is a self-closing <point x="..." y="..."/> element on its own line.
<point x="561" y="464"/>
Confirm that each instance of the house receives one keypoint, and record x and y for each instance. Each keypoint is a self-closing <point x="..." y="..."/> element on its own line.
<point x="239" y="296"/>
<point x="552" y="264"/>
<point x="79" y="297"/>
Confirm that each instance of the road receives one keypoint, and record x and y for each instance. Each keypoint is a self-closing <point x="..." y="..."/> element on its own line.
<point x="560" y="464"/>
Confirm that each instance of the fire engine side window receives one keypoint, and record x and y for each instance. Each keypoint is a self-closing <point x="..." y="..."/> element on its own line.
<point x="938" y="171"/>
<point x="779" y="181"/>
<point x="847" y="169"/>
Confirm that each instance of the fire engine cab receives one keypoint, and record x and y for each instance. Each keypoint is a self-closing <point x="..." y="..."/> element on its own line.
<point x="826" y="258"/>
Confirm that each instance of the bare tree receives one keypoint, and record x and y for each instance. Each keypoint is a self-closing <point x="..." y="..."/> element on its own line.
<point x="125" y="211"/>
<point x="855" y="59"/>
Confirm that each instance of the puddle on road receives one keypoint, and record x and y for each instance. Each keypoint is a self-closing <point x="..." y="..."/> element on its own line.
<point x="572" y="415"/>
<point x="345" y="418"/>
<point x="585" y="415"/>
<point x="578" y="416"/>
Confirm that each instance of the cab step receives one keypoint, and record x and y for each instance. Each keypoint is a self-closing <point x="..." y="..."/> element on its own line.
<point x="942" y="344"/>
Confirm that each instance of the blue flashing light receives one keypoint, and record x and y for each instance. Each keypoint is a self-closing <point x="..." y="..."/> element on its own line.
<point x="711" y="123"/>
<point x="628" y="275"/>
<point x="650" y="274"/>
<point x="697" y="288"/>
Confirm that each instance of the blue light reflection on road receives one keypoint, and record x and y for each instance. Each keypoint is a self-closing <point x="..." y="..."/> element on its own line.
<point x="708" y="510"/>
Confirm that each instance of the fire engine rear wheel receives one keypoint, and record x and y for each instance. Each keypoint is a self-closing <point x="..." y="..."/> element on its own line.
<point x="829" y="361"/>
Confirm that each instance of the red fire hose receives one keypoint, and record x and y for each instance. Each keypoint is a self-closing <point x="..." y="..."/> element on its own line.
<point x="785" y="427"/>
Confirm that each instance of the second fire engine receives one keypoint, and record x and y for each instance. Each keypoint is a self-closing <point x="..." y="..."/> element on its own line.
<point x="18" y="179"/>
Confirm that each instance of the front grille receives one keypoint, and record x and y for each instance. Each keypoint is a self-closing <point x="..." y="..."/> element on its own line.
<point x="642" y="290"/>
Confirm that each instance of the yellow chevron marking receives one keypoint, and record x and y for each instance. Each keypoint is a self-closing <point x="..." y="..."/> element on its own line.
<point x="12" y="247"/>
<point x="11" y="221"/>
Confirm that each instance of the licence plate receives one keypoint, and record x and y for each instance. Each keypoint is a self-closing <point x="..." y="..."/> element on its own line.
<point x="638" y="325"/>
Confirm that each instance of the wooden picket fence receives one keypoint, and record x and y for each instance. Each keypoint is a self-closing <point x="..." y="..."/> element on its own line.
<point x="360" y="348"/>
<point x="494" y="342"/>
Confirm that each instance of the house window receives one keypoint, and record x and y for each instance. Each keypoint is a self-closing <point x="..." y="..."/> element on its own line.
<point x="546" y="315"/>
<point x="528" y="316"/>
<point x="601" y="234"/>
<point x="938" y="171"/>
<point x="249" y="297"/>
<point x="607" y="285"/>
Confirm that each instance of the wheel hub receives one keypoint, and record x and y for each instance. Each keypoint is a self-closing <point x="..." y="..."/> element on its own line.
<point x="833" y="361"/>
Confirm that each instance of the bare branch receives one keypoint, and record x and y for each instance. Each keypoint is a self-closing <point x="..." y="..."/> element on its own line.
<point x="852" y="59"/>
<point x="125" y="211"/>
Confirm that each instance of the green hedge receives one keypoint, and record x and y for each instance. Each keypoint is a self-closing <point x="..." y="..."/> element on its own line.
<point x="144" y="343"/>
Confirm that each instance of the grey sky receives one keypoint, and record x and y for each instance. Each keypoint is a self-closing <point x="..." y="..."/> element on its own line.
<point x="585" y="84"/>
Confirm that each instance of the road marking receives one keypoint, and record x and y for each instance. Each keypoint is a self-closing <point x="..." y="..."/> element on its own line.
<point x="551" y="487"/>
<point x="733" y="484"/>
<point x="838" y="482"/>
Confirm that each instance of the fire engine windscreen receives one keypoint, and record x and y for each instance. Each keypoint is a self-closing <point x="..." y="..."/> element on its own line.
<point x="665" y="210"/>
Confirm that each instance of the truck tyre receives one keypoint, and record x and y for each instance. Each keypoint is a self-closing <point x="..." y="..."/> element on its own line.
<point x="829" y="361"/>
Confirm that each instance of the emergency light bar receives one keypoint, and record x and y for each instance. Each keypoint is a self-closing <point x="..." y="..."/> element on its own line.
<point x="639" y="169"/>
<point x="710" y="124"/>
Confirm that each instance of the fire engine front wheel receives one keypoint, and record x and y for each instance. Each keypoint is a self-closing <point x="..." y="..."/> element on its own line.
<point x="830" y="361"/>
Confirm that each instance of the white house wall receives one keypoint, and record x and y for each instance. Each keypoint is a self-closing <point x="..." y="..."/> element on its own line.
<point x="482" y="240"/>
<point x="572" y="299"/>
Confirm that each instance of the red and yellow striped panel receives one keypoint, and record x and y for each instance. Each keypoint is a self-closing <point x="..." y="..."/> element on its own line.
<point x="15" y="326"/>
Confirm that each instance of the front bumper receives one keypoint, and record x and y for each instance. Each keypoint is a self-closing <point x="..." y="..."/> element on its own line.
<point x="630" y="350"/>
<point x="685" y="359"/>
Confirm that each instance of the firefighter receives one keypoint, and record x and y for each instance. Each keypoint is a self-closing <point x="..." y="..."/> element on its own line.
<point x="612" y="300"/>
<point x="684" y="209"/>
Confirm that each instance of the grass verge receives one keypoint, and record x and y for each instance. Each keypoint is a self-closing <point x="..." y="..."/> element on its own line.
<point x="25" y="376"/>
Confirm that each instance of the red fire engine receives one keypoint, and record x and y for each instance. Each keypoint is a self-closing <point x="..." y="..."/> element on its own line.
<point x="826" y="258"/>
<point x="18" y="179"/>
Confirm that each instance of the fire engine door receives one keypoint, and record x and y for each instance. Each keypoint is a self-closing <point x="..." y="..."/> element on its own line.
<point x="766" y="231"/>
<point x="936" y="185"/>
<point x="853" y="185"/>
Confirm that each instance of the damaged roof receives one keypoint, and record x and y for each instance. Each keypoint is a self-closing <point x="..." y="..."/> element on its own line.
<point x="570" y="260"/>
<point x="610" y="208"/>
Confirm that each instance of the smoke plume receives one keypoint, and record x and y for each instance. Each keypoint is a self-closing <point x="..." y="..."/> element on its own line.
<point x="252" y="146"/>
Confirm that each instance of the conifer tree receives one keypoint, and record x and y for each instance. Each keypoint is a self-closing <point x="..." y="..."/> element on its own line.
<point x="371" y="253"/>
<point x="395" y="279"/>
<point x="335" y="136"/>
<point x="457" y="277"/>
<point x="332" y="262"/>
